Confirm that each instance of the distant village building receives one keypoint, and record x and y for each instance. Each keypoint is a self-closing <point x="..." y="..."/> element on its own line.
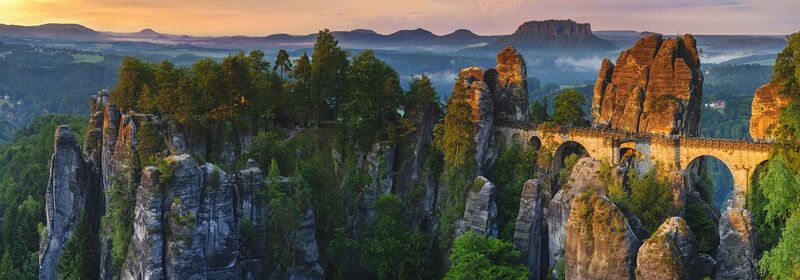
<point x="716" y="105"/>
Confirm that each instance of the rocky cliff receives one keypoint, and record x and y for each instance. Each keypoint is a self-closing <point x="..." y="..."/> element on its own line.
<point x="187" y="217"/>
<point x="656" y="86"/>
<point x="768" y="103"/>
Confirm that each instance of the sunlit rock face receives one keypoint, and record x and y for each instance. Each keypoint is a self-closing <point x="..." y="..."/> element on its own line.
<point x="600" y="244"/>
<point x="511" y="95"/>
<point x="768" y="103"/>
<point x="585" y="176"/>
<point x="668" y="253"/>
<point x="656" y="86"/>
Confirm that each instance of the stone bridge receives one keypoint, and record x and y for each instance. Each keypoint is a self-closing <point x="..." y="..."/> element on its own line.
<point x="672" y="153"/>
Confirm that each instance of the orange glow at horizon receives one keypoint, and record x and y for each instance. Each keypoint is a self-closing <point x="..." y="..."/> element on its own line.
<point x="260" y="17"/>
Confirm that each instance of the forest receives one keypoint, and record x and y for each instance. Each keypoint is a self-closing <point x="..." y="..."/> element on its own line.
<point x="334" y="100"/>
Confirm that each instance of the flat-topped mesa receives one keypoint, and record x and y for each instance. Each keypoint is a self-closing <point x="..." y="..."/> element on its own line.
<point x="768" y="103"/>
<point x="656" y="86"/>
<point x="556" y="27"/>
<point x="557" y="35"/>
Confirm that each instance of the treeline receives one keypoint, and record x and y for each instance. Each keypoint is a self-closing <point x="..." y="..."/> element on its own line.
<point x="774" y="198"/>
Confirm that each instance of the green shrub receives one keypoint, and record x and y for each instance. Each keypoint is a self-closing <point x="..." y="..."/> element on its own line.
<point x="478" y="257"/>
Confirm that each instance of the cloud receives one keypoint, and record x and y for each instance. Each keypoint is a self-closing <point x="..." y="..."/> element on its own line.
<point x="583" y="64"/>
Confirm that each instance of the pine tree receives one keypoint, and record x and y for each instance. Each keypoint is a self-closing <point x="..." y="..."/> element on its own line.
<point x="282" y="63"/>
<point x="569" y="108"/>
<point x="328" y="74"/>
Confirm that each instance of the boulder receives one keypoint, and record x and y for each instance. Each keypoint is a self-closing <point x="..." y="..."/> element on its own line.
<point x="599" y="244"/>
<point x="656" y="86"/>
<point x="480" y="211"/>
<point x="146" y="251"/>
<point x="736" y="255"/>
<point x="530" y="230"/>
<point x="669" y="253"/>
<point x="585" y="176"/>
<point x="768" y="103"/>
<point x="65" y="199"/>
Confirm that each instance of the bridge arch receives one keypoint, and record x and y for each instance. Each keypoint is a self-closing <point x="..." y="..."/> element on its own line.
<point x="566" y="149"/>
<point x="711" y="174"/>
<point x="535" y="143"/>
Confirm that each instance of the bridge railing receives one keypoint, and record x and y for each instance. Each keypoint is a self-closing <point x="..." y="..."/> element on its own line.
<point x="618" y="134"/>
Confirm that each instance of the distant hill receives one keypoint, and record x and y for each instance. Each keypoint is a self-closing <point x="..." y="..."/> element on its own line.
<point x="69" y="32"/>
<point x="553" y="35"/>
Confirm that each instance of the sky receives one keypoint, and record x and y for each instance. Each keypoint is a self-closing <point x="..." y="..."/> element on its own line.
<point x="486" y="17"/>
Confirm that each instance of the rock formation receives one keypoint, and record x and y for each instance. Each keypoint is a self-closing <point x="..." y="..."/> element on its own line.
<point x="530" y="230"/>
<point x="187" y="217"/>
<point x="66" y="198"/>
<point x="585" y="176"/>
<point x="599" y="243"/>
<point x="736" y="255"/>
<point x="480" y="212"/>
<point x="495" y="95"/>
<point x="669" y="253"/>
<point x="511" y="94"/>
<point x="768" y="103"/>
<point x="656" y="86"/>
<point x="306" y="264"/>
<point x="147" y="244"/>
<point x="553" y="35"/>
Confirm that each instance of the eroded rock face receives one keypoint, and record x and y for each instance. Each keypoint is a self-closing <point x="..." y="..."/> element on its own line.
<point x="669" y="253"/>
<point x="768" y="103"/>
<point x="146" y="257"/>
<point x="599" y="244"/>
<point x="531" y="229"/>
<point x="184" y="256"/>
<point x="253" y="211"/>
<point x="306" y="251"/>
<point x="65" y="199"/>
<point x="217" y="222"/>
<point x="585" y="176"/>
<point x="480" y="212"/>
<point x="736" y="255"/>
<point x="656" y="86"/>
